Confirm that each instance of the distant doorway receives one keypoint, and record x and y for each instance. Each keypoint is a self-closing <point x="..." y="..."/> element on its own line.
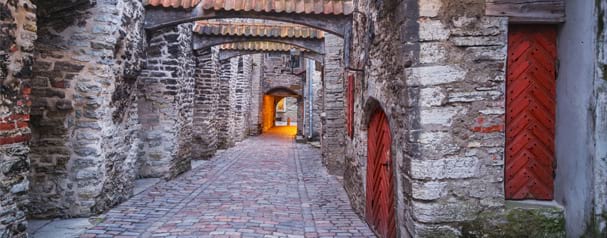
<point x="286" y="112"/>
<point x="281" y="107"/>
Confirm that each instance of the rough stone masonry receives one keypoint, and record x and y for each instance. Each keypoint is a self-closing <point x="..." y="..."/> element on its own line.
<point x="437" y="69"/>
<point x="106" y="103"/>
<point x="84" y="120"/>
<point x="91" y="101"/>
<point x="18" y="32"/>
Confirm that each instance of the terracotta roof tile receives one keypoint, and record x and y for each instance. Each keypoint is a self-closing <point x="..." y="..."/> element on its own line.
<point x="257" y="30"/>
<point x="258" y="46"/>
<point x="329" y="7"/>
<point x="173" y="3"/>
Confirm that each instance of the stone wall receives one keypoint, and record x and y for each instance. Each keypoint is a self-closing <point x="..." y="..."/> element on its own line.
<point x="578" y="93"/>
<point x="289" y="112"/>
<point x="240" y="91"/>
<point x="84" y="139"/>
<point x="206" y="104"/>
<point x="268" y="112"/>
<point x="224" y="118"/>
<point x="256" y="96"/>
<point x="279" y="79"/>
<point x="277" y="74"/>
<point x="166" y="91"/>
<point x="600" y="120"/>
<point x="333" y="120"/>
<point x="437" y="69"/>
<point x="17" y="36"/>
<point x="317" y="101"/>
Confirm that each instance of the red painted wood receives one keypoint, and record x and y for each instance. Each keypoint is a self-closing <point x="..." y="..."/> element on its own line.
<point x="530" y="112"/>
<point x="380" y="204"/>
<point x="350" y="112"/>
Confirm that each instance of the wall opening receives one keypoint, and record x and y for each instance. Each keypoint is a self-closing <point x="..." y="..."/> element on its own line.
<point x="286" y="112"/>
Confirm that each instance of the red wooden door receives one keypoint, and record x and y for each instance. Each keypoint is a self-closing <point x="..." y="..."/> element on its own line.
<point x="380" y="209"/>
<point x="530" y="112"/>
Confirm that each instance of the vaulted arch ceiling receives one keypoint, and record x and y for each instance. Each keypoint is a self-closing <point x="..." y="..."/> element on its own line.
<point x="215" y="33"/>
<point x="333" y="16"/>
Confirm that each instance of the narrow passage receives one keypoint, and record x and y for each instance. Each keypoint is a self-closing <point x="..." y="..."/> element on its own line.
<point x="266" y="186"/>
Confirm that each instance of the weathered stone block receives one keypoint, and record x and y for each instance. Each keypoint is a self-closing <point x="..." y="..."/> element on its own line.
<point x="434" y="75"/>
<point x="445" y="211"/>
<point x="478" y="41"/>
<point x="429" y="97"/>
<point x="440" y="116"/>
<point x="428" y="191"/>
<point x="429" y="8"/>
<point x="474" y="96"/>
<point x="448" y="168"/>
<point x="432" y="52"/>
<point x="432" y="30"/>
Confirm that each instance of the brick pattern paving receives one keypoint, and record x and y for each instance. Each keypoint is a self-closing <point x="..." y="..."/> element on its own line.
<point x="266" y="186"/>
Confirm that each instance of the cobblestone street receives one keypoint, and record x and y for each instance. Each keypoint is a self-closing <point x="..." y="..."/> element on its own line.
<point x="266" y="186"/>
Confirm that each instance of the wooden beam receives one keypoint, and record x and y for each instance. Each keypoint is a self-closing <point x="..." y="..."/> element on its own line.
<point x="157" y="17"/>
<point x="527" y="11"/>
<point x="227" y="54"/>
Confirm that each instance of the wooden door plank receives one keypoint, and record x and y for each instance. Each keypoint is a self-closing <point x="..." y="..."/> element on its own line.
<point x="530" y="112"/>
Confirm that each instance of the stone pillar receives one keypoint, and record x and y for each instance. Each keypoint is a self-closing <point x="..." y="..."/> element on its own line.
<point x="84" y="128"/>
<point x="165" y="105"/>
<point x="206" y="104"/>
<point x="224" y="117"/>
<point x="256" y="96"/>
<point x="301" y="111"/>
<point x="333" y="122"/>
<point x="17" y="36"/>
<point x="317" y="102"/>
<point x="240" y="92"/>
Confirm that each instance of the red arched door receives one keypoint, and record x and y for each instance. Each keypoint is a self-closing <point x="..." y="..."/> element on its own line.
<point x="380" y="193"/>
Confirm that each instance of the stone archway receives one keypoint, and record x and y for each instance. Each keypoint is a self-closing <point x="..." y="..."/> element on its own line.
<point x="270" y="99"/>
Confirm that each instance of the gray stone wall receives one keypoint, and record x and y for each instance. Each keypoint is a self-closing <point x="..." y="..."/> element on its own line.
<point x="600" y="132"/>
<point x="224" y="117"/>
<point x="206" y="104"/>
<point x="290" y="110"/>
<point x="578" y="88"/>
<point x="333" y="111"/>
<point x="17" y="36"/>
<point x="277" y="73"/>
<point x="240" y="90"/>
<point x="317" y="102"/>
<point x="437" y="69"/>
<point x="166" y="96"/>
<point x="256" y="96"/>
<point x="83" y="106"/>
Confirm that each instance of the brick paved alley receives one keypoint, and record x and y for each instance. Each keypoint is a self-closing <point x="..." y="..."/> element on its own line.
<point x="266" y="186"/>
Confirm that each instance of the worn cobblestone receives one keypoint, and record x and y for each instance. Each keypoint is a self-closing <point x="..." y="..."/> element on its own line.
<point x="266" y="186"/>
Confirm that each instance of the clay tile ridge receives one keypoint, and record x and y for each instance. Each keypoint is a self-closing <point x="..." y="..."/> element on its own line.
<point x="326" y="7"/>
<point x="186" y="4"/>
<point x="258" y="46"/>
<point x="257" y="30"/>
